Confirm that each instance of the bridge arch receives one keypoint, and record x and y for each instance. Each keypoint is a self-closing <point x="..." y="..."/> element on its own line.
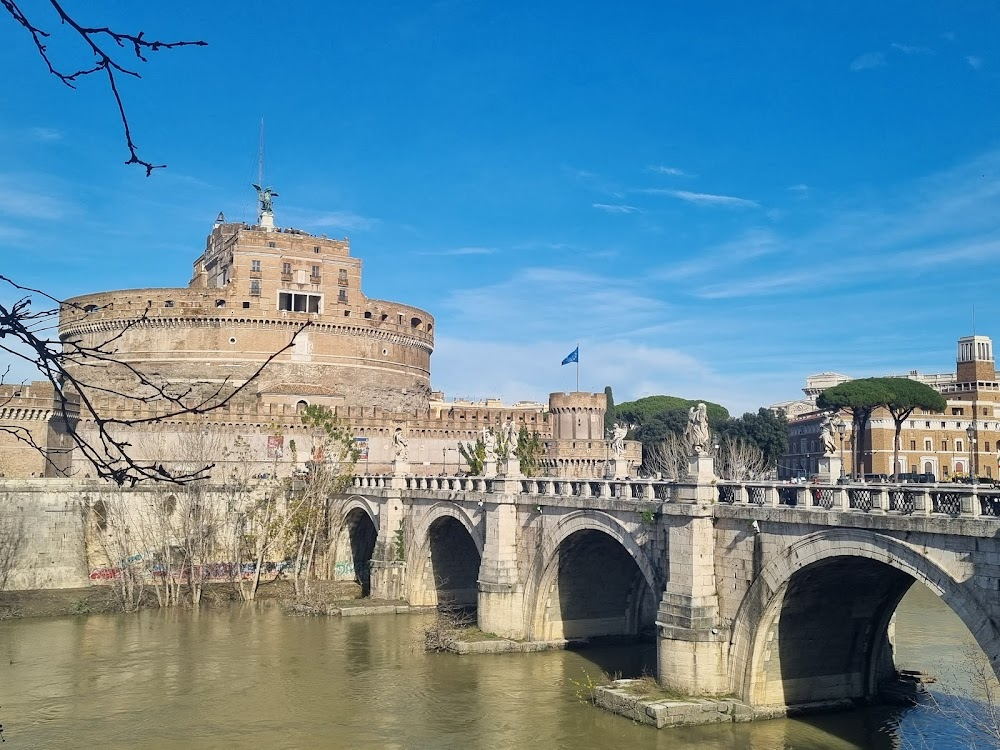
<point x="589" y="578"/>
<point x="352" y="541"/>
<point x="444" y="560"/>
<point x="813" y="625"/>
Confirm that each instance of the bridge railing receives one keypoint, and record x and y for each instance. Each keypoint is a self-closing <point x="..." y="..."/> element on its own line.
<point x="938" y="500"/>
<point x="950" y="500"/>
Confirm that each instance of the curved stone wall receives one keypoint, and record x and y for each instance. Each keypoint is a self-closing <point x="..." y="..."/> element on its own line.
<point x="371" y="353"/>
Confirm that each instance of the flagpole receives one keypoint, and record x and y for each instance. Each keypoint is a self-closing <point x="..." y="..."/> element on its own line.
<point x="578" y="367"/>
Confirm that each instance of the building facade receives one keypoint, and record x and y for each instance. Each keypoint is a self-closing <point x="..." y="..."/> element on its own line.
<point x="959" y="442"/>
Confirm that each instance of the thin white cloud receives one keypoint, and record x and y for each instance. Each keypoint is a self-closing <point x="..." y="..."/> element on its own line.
<point x="753" y="286"/>
<point x="868" y="61"/>
<point x="464" y="251"/>
<point x="617" y="208"/>
<point x="345" y="220"/>
<point x="670" y="171"/>
<point x="45" y="135"/>
<point x="975" y="62"/>
<point x="910" y="49"/>
<point x="23" y="201"/>
<point x="705" y="199"/>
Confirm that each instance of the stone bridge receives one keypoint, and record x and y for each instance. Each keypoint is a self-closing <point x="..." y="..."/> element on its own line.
<point x="779" y="594"/>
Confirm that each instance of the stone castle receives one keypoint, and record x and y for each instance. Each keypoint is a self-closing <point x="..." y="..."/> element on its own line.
<point x="253" y="290"/>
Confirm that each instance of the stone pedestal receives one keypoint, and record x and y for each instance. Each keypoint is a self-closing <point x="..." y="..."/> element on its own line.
<point x="701" y="469"/>
<point x="617" y="468"/>
<point x="510" y="468"/>
<point x="490" y="468"/>
<point x="829" y="469"/>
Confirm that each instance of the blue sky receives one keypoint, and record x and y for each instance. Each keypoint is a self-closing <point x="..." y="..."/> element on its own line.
<point x="713" y="200"/>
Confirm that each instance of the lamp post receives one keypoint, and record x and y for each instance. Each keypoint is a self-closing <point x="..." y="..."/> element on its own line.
<point x="444" y="461"/>
<point x="971" y="432"/>
<point x="841" y="426"/>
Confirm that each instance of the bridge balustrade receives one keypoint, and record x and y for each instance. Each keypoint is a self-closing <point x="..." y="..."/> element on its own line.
<point x="989" y="504"/>
<point x="729" y="493"/>
<point x="942" y="500"/>
<point x="861" y="498"/>
<point x="756" y="494"/>
<point x="824" y="497"/>
<point x="903" y="500"/>
<point x="948" y="502"/>
<point x="788" y="495"/>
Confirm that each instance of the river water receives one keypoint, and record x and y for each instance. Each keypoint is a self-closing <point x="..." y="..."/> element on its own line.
<point x="246" y="677"/>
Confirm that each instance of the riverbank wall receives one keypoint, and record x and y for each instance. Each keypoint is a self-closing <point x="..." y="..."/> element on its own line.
<point x="42" y="539"/>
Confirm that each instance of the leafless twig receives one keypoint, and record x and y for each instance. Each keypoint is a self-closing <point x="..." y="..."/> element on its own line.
<point x="98" y="39"/>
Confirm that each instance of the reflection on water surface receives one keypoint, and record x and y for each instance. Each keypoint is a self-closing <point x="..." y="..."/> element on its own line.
<point x="245" y="677"/>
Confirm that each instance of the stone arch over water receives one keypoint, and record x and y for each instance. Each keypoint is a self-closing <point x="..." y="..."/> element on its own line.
<point x="353" y="542"/>
<point x="590" y="578"/>
<point x="813" y="626"/>
<point x="443" y="566"/>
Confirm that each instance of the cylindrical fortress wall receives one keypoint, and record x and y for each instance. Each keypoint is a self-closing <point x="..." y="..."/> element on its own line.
<point x="372" y="353"/>
<point x="577" y="416"/>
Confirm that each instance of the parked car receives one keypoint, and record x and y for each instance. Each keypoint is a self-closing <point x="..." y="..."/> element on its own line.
<point x="877" y="478"/>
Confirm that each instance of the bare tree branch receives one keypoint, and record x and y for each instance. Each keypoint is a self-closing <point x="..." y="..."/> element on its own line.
<point x="97" y="39"/>
<point x="67" y="365"/>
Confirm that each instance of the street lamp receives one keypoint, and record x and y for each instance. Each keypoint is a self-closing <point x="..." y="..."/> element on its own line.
<point x="841" y="426"/>
<point x="971" y="432"/>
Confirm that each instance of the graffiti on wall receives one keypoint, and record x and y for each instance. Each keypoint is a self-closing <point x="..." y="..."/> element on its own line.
<point x="216" y="571"/>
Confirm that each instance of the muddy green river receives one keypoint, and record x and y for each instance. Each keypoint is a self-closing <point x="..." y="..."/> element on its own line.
<point x="247" y="677"/>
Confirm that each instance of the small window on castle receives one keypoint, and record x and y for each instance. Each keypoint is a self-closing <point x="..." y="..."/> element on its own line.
<point x="347" y="313"/>
<point x="315" y="272"/>
<point x="246" y="305"/>
<point x="987" y="446"/>
<point x="168" y="303"/>
<point x="255" y="266"/>
<point x="928" y="446"/>
<point x="342" y="277"/>
<point x="220" y="303"/>
<point x="368" y="314"/>
<point x="254" y="288"/>
<point x="286" y="267"/>
<point x="342" y="297"/>
<point x="944" y="445"/>
<point x="913" y="445"/>
<point x="316" y="249"/>
<point x="271" y="244"/>
<point x="957" y="411"/>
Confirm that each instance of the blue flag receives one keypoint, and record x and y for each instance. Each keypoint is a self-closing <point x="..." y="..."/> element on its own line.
<point x="573" y="356"/>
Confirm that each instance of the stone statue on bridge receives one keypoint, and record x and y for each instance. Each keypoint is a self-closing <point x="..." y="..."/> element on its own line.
<point x="400" y="446"/>
<point x="510" y="438"/>
<point x="696" y="434"/>
<point x="618" y="433"/>
<point x="489" y="439"/>
<point x="827" y="436"/>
